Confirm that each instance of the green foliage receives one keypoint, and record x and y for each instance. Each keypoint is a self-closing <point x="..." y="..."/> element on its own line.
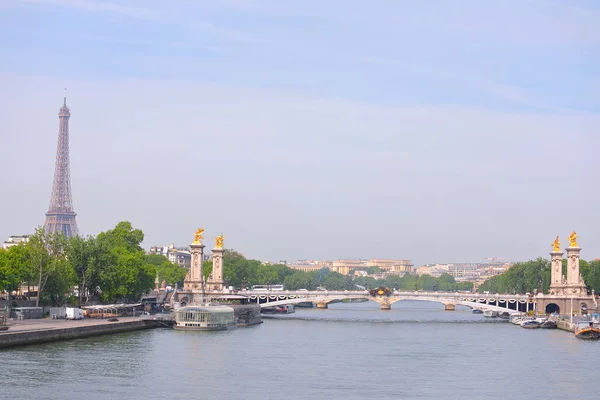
<point x="207" y="267"/>
<point x="521" y="278"/>
<point x="299" y="280"/>
<point x="47" y="259"/>
<point x="591" y="275"/>
<point x="124" y="274"/>
<point x="165" y="270"/>
<point x="13" y="263"/>
<point x="111" y="265"/>
<point x="238" y="271"/>
<point x="409" y="282"/>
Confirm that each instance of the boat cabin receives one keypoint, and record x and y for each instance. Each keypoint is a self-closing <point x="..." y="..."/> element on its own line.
<point x="204" y="318"/>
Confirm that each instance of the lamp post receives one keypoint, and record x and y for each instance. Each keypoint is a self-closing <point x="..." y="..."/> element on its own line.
<point x="571" y="309"/>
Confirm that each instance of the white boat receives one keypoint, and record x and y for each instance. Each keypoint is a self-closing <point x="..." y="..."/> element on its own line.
<point x="530" y="324"/>
<point x="490" y="314"/>
<point x="204" y="318"/>
<point x="517" y="318"/>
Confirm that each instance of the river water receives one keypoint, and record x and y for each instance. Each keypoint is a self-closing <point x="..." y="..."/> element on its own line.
<point x="350" y="351"/>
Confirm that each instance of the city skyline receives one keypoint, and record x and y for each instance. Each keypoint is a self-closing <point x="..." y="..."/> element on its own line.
<point x="424" y="135"/>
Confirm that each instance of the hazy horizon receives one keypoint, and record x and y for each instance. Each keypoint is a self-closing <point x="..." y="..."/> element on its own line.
<point x="422" y="131"/>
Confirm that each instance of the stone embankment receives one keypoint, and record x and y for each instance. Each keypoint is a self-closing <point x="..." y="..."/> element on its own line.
<point x="41" y="331"/>
<point x="565" y="325"/>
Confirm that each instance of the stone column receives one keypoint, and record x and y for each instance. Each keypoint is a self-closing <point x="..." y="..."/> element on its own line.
<point x="556" y="275"/>
<point x="195" y="278"/>
<point x="216" y="281"/>
<point x="575" y="283"/>
<point x="573" y="265"/>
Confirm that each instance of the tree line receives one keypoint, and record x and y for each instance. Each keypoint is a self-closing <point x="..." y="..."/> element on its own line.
<point x="111" y="266"/>
<point x="534" y="276"/>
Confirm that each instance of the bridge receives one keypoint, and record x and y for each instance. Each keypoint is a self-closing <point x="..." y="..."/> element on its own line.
<point x="386" y="297"/>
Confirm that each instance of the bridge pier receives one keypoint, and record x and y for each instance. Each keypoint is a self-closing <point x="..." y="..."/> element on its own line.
<point x="322" y="305"/>
<point x="449" y="307"/>
<point x="385" y="306"/>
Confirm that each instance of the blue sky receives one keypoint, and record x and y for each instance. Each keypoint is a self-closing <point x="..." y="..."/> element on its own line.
<point x="431" y="130"/>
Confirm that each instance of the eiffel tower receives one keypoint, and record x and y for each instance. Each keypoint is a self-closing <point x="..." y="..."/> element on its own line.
<point x="60" y="216"/>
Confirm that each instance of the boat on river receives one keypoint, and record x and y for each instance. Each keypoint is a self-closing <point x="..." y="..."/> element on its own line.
<point x="204" y="318"/>
<point x="490" y="314"/>
<point x="504" y="315"/>
<point x="587" y="330"/>
<point x="549" y="324"/>
<point x="285" y="309"/>
<point x="477" y="311"/>
<point x="530" y="324"/>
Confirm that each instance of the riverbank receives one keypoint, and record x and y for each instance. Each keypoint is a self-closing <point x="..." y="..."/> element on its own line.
<point x="39" y="331"/>
<point x="565" y="325"/>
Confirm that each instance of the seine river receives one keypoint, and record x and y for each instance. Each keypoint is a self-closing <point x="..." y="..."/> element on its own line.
<point x="351" y="351"/>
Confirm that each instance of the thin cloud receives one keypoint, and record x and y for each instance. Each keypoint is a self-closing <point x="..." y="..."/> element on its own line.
<point x="91" y="6"/>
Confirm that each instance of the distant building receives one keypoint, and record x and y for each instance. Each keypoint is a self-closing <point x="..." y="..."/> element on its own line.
<point x="309" y="265"/>
<point x="465" y="272"/>
<point x="345" y="266"/>
<point x="177" y="255"/>
<point x="15" y="240"/>
<point x="404" y="266"/>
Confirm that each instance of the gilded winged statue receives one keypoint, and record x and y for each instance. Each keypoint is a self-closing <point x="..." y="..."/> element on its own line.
<point x="198" y="235"/>
<point x="573" y="239"/>
<point x="219" y="241"/>
<point x="556" y="244"/>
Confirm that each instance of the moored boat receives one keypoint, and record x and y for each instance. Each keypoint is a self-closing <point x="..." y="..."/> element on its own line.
<point x="286" y="309"/>
<point x="548" y="324"/>
<point x="490" y="314"/>
<point x="504" y="315"/>
<point x="530" y="324"/>
<point x="204" y="318"/>
<point x="587" y="330"/>
<point x="477" y="311"/>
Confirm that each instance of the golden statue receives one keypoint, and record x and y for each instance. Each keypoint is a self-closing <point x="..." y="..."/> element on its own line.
<point x="198" y="235"/>
<point x="219" y="242"/>
<point x="573" y="239"/>
<point x="556" y="244"/>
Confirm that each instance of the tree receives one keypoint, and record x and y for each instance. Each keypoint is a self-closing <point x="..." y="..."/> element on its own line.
<point x="124" y="273"/>
<point x="267" y="275"/>
<point x="165" y="270"/>
<point x="46" y="256"/>
<point x="522" y="277"/>
<point x="298" y="280"/>
<point x="592" y="276"/>
<point x="12" y="264"/>
<point x="86" y="256"/>
<point x="238" y="271"/>
<point x="207" y="267"/>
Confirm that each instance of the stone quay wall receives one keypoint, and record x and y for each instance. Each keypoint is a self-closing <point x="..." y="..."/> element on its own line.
<point x="565" y="325"/>
<point x="36" y="334"/>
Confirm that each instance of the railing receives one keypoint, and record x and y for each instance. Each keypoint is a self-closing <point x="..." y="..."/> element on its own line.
<point x="321" y="293"/>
